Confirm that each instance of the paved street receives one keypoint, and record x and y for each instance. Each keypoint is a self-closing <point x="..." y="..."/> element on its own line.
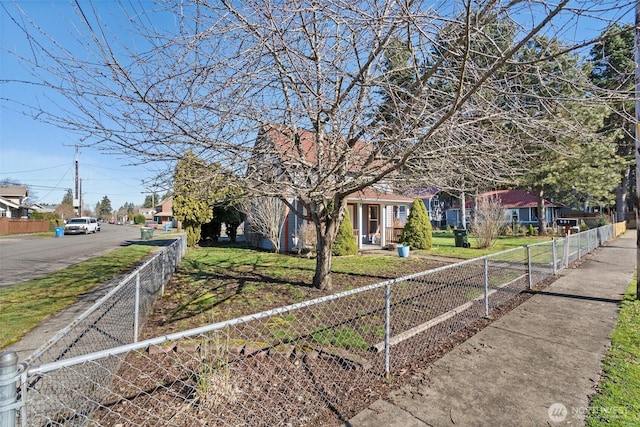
<point x="25" y="257"/>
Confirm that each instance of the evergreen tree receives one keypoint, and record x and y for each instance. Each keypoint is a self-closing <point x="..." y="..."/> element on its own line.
<point x="104" y="209"/>
<point x="613" y="70"/>
<point x="345" y="243"/>
<point x="151" y="200"/>
<point x="417" y="231"/>
<point x="583" y="166"/>
<point x="192" y="201"/>
<point x="68" y="198"/>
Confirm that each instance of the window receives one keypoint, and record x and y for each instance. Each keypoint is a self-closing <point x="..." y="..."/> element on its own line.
<point x="373" y="217"/>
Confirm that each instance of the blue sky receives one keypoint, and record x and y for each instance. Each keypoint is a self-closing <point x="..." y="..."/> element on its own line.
<point x="42" y="156"/>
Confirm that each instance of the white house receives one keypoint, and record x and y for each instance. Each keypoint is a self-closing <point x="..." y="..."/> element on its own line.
<point x="12" y="201"/>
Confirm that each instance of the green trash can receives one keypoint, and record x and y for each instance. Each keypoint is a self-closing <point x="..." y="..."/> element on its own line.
<point x="462" y="239"/>
<point x="146" y="233"/>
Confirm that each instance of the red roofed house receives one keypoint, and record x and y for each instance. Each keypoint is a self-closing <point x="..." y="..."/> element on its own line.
<point x="520" y="206"/>
<point x="372" y="211"/>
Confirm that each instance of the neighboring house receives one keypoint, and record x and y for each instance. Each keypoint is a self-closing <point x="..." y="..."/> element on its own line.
<point x="37" y="207"/>
<point x="12" y="201"/>
<point x="147" y="212"/>
<point x="520" y="207"/>
<point x="164" y="211"/>
<point x="372" y="210"/>
<point x="435" y="206"/>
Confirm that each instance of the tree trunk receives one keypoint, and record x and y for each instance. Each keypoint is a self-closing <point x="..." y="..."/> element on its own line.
<point x="621" y="196"/>
<point x="326" y="230"/>
<point x="463" y="210"/>
<point x="322" y="276"/>
<point x="542" y="227"/>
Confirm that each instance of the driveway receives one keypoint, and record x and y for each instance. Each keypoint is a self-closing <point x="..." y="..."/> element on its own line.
<point x="25" y="257"/>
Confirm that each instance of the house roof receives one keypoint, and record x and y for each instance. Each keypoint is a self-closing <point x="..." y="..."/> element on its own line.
<point x="8" y="203"/>
<point x="14" y="191"/>
<point x="302" y="145"/>
<point x="426" y="193"/>
<point x="512" y="199"/>
<point x="165" y="201"/>
<point x="373" y="195"/>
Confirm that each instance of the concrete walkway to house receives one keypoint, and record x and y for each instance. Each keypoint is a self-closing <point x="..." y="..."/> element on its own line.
<point x="535" y="366"/>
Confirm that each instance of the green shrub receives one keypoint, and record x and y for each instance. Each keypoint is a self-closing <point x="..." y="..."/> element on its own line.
<point x="531" y="231"/>
<point x="138" y="219"/>
<point x="345" y="243"/>
<point x="417" y="232"/>
<point x="602" y="220"/>
<point x="53" y="218"/>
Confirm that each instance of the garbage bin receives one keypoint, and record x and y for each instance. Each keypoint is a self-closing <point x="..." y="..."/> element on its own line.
<point x="462" y="239"/>
<point x="59" y="231"/>
<point x="146" y="233"/>
<point x="167" y="226"/>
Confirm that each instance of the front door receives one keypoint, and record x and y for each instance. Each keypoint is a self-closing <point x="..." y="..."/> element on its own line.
<point x="373" y="223"/>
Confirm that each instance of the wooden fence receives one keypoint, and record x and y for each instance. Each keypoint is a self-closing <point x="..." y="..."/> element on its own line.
<point x="23" y="225"/>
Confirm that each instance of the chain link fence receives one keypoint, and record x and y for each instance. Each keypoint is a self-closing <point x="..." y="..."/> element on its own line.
<point x="311" y="363"/>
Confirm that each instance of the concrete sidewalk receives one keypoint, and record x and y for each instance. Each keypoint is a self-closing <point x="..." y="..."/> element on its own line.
<point x="535" y="366"/>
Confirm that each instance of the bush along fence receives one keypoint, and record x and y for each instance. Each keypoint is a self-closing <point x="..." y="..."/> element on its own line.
<point x="305" y="364"/>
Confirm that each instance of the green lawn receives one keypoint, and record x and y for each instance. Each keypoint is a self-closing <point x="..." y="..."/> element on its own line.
<point x="24" y="306"/>
<point x="443" y="244"/>
<point x="617" y="402"/>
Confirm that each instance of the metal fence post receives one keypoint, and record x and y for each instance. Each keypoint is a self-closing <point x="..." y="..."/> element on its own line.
<point x="136" y="308"/>
<point x="8" y="390"/>
<point x="163" y="262"/>
<point x="529" y="267"/>
<point x="554" y="250"/>
<point x="387" y="329"/>
<point x="578" y="236"/>
<point x="486" y="287"/>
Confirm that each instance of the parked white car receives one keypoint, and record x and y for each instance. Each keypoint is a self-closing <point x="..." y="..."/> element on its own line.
<point x="82" y="225"/>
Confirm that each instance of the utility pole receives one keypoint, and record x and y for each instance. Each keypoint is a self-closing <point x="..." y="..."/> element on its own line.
<point x="76" y="200"/>
<point x="637" y="116"/>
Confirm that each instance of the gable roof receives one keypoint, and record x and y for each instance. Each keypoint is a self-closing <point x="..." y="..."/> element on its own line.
<point x="8" y="203"/>
<point x="426" y="193"/>
<point x="513" y="199"/>
<point x="373" y="195"/>
<point x="302" y="148"/>
<point x="14" y="191"/>
<point x="302" y="145"/>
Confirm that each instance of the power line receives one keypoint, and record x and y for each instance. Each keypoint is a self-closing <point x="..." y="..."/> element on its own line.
<point x="32" y="170"/>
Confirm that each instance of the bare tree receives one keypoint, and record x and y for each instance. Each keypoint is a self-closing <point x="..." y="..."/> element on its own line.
<point x="488" y="220"/>
<point x="265" y="218"/>
<point x="209" y="76"/>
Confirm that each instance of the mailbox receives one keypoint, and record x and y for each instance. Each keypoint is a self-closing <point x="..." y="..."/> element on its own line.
<point x="567" y="222"/>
